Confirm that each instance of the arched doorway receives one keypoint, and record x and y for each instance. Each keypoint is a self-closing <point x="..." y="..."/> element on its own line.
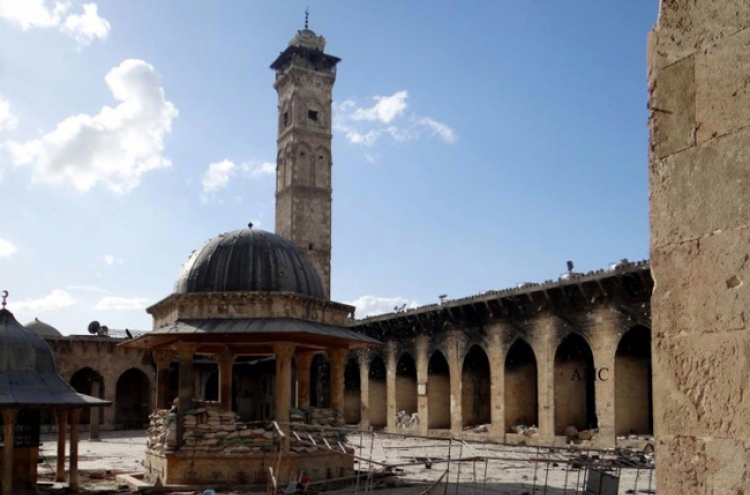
<point x="406" y="384"/>
<point x="352" y="391"/>
<point x="575" y="403"/>
<point x="320" y="381"/>
<point x="132" y="400"/>
<point x="89" y="382"/>
<point x="475" y="384"/>
<point x="377" y="394"/>
<point x="633" y="386"/>
<point x="438" y="392"/>
<point x="521" y="392"/>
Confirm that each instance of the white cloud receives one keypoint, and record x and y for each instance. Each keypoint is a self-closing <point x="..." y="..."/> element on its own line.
<point x="28" y="14"/>
<point x="386" y="117"/>
<point x="87" y="288"/>
<point x="8" y="121"/>
<point x="7" y="248"/>
<point x="110" y="259"/>
<point x="86" y="27"/>
<point x="115" y="147"/>
<point x="57" y="299"/>
<point x="121" y="303"/>
<point x="371" y="305"/>
<point x="219" y="174"/>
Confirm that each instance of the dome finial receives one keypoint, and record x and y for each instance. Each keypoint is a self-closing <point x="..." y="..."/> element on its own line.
<point x="307" y="15"/>
<point x="4" y="294"/>
<point x="250" y="225"/>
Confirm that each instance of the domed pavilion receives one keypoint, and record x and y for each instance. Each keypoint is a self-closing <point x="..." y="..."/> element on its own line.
<point x="245" y="293"/>
<point x="30" y="384"/>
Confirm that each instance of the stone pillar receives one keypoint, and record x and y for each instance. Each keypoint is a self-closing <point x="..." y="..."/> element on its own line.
<point x="496" y="355"/>
<point x="303" y="378"/>
<point x="73" y="482"/>
<point x="364" y="391"/>
<point x="96" y="386"/>
<point x="454" y="355"/>
<point x="163" y="360"/>
<point x="699" y="68"/>
<point x="226" y="365"/>
<point x="390" y="385"/>
<point x="283" y="394"/>
<point x="423" y="361"/>
<point x="337" y="360"/>
<point x="186" y="391"/>
<point x="603" y="347"/>
<point x="62" y="427"/>
<point x="544" y="346"/>
<point x="9" y="420"/>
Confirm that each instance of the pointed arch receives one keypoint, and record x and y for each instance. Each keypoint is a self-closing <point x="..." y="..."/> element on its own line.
<point x="438" y="392"/>
<point x="575" y="401"/>
<point x="84" y="381"/>
<point x="476" y="396"/>
<point x="132" y="399"/>
<point x="406" y="384"/>
<point x="377" y="393"/>
<point x="633" y="383"/>
<point x="521" y="389"/>
<point x="352" y="392"/>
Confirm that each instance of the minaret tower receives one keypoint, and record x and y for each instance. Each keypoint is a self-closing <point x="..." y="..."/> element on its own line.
<point x="304" y="83"/>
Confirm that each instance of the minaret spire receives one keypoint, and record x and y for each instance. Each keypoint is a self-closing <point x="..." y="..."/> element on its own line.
<point x="307" y="16"/>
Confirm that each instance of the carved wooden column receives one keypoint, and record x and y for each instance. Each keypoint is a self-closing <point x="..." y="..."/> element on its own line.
<point x="73" y="482"/>
<point x="163" y="360"/>
<point x="303" y="378"/>
<point x="364" y="392"/>
<point x="96" y="386"/>
<point x="9" y="419"/>
<point x="186" y="392"/>
<point x="283" y="399"/>
<point x="337" y="359"/>
<point x="62" y="427"/>
<point x="226" y="364"/>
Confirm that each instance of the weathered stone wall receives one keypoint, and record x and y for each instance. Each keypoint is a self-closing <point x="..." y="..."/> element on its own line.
<point x="699" y="97"/>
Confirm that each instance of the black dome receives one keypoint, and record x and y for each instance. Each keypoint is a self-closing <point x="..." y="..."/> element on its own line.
<point x="249" y="260"/>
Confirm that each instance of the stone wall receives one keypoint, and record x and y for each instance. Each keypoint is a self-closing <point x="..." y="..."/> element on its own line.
<point x="699" y="97"/>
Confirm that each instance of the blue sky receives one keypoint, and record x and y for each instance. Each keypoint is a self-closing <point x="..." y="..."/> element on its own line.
<point x="500" y="140"/>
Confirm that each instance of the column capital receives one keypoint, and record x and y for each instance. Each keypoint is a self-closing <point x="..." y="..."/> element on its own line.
<point x="225" y="356"/>
<point x="186" y="350"/>
<point x="283" y="350"/>
<point x="9" y="415"/>
<point x="337" y="355"/>
<point x="163" y="359"/>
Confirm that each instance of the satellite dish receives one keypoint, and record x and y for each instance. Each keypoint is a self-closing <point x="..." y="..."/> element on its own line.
<point x="103" y="330"/>
<point x="94" y="327"/>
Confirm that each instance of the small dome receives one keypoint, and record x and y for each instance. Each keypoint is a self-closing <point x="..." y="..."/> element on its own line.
<point x="22" y="350"/>
<point x="42" y="329"/>
<point x="249" y="260"/>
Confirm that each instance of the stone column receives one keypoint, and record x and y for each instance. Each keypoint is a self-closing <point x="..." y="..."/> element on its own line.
<point x="283" y="395"/>
<point x="423" y="361"/>
<point x="454" y="356"/>
<point x="337" y="360"/>
<point x="226" y="365"/>
<point x="699" y="68"/>
<point x="73" y="482"/>
<point x="94" y="411"/>
<point x="603" y="347"/>
<point x="390" y="385"/>
<point x="9" y="420"/>
<point x="496" y="355"/>
<point x="544" y="348"/>
<point x="364" y="392"/>
<point x="62" y="427"/>
<point x="163" y="360"/>
<point x="186" y="392"/>
<point x="303" y="378"/>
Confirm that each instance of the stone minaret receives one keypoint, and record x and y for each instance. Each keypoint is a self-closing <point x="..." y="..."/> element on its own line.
<point x="304" y="82"/>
